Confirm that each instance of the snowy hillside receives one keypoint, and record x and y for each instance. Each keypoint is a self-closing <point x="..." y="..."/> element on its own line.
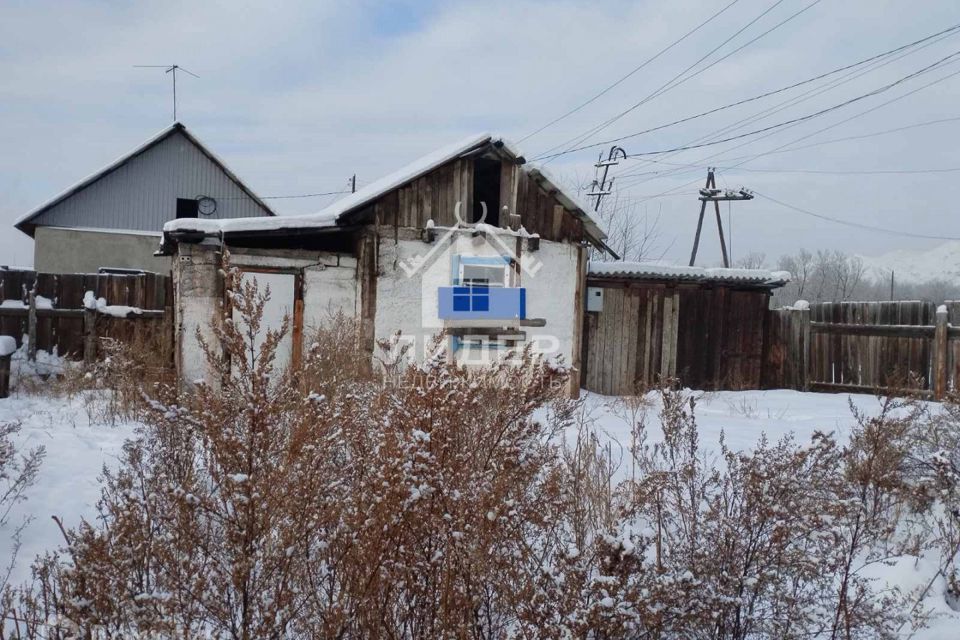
<point x="917" y="265"/>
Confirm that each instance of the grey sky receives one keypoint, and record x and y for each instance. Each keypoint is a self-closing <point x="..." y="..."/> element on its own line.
<point x="297" y="96"/>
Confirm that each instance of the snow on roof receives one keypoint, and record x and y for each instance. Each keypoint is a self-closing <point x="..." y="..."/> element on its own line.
<point x="410" y="172"/>
<point x="568" y="199"/>
<point x="659" y="270"/>
<point x="333" y="214"/>
<point x="328" y="217"/>
<point x="153" y="140"/>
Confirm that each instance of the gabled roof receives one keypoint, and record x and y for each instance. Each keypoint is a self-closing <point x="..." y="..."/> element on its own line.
<point x="337" y="212"/>
<point x="666" y="272"/>
<point x="24" y="222"/>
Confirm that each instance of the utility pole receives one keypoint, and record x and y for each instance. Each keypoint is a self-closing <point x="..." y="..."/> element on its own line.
<point x="601" y="187"/>
<point x="710" y="193"/>
<point x="353" y="184"/>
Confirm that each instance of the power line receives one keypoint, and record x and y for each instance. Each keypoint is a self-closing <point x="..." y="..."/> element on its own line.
<point x="674" y="82"/>
<point x="809" y="116"/>
<point x="788" y="147"/>
<point x="284" y="197"/>
<point x="865" y="135"/>
<point x="631" y="73"/>
<point x="800" y="83"/>
<point x="857" y="225"/>
<point x="663" y="88"/>
<point x="305" y="195"/>
<point x="808" y="95"/>
<point x="779" y="149"/>
<point x="805" y="171"/>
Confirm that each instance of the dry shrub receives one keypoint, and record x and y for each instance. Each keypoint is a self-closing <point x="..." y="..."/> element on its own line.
<point x="18" y="472"/>
<point x="253" y="508"/>
<point x="335" y="501"/>
<point x="768" y="543"/>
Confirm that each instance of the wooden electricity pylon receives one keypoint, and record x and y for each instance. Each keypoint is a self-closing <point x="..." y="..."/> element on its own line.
<point x="601" y="187"/>
<point x="710" y="193"/>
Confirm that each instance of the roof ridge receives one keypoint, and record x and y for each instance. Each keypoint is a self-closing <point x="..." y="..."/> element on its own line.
<point x="23" y="222"/>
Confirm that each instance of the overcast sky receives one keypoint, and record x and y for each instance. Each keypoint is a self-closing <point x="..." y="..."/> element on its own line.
<point x="296" y="97"/>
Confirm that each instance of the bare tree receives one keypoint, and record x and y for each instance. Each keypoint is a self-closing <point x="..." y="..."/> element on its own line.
<point x="753" y="260"/>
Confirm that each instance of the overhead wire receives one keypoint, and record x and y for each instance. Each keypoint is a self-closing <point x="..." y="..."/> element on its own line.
<point x="879" y="61"/>
<point x="857" y="225"/>
<point x="676" y="81"/>
<point x="876" y="62"/>
<point x="778" y="125"/>
<point x="788" y="87"/>
<point x="789" y="145"/>
<point x="622" y="79"/>
<point x="754" y="157"/>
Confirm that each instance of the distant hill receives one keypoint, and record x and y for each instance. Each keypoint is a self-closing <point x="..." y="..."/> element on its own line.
<point x="942" y="262"/>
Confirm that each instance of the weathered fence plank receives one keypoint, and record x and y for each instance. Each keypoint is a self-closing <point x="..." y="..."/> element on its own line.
<point x="65" y="328"/>
<point x="866" y="347"/>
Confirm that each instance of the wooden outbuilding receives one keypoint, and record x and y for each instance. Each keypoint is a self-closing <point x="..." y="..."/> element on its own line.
<point x="704" y="327"/>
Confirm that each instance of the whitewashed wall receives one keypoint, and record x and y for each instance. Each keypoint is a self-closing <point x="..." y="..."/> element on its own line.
<point x="329" y="287"/>
<point x="409" y="302"/>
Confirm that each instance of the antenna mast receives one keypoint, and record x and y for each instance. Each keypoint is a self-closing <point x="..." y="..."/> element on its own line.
<point x="172" y="70"/>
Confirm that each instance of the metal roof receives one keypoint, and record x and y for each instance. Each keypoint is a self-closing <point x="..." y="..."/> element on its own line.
<point x="674" y="273"/>
<point x="24" y="223"/>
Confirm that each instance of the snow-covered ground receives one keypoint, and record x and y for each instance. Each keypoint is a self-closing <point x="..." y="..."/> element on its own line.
<point x="79" y="444"/>
<point x="742" y="417"/>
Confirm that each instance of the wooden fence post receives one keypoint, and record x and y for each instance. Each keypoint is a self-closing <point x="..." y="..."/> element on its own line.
<point x="32" y="325"/>
<point x="89" y="336"/>
<point x="940" y="354"/>
<point x="4" y="376"/>
<point x="805" y="349"/>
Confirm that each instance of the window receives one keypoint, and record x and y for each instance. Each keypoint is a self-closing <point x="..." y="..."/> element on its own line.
<point x="486" y="188"/>
<point x="186" y="208"/>
<point x="474" y="298"/>
<point x="483" y="275"/>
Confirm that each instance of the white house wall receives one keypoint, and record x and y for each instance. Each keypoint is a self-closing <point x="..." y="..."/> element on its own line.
<point x="329" y="286"/>
<point x="327" y="292"/>
<point x="551" y="294"/>
<point x="409" y="302"/>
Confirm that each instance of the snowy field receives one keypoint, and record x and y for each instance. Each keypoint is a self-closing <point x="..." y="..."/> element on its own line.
<point x="79" y="443"/>
<point x="742" y="417"/>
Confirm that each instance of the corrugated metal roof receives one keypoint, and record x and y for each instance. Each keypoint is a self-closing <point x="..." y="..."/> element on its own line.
<point x="132" y="197"/>
<point x="660" y="271"/>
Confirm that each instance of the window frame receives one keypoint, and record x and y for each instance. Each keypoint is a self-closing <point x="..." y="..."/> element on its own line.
<point x="482" y="261"/>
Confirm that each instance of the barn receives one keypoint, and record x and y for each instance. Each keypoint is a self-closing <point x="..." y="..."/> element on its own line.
<point x="706" y="327"/>
<point x="113" y="218"/>
<point x="469" y="241"/>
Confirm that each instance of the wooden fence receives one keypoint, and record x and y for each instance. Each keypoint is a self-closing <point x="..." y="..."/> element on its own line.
<point x="865" y="347"/>
<point x="718" y="337"/>
<point x="48" y="310"/>
<point x="708" y="336"/>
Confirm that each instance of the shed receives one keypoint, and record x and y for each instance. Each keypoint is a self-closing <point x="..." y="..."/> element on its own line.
<point x="705" y="327"/>
<point x="469" y="245"/>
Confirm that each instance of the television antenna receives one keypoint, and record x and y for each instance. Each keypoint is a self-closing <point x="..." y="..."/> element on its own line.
<point x="172" y="70"/>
